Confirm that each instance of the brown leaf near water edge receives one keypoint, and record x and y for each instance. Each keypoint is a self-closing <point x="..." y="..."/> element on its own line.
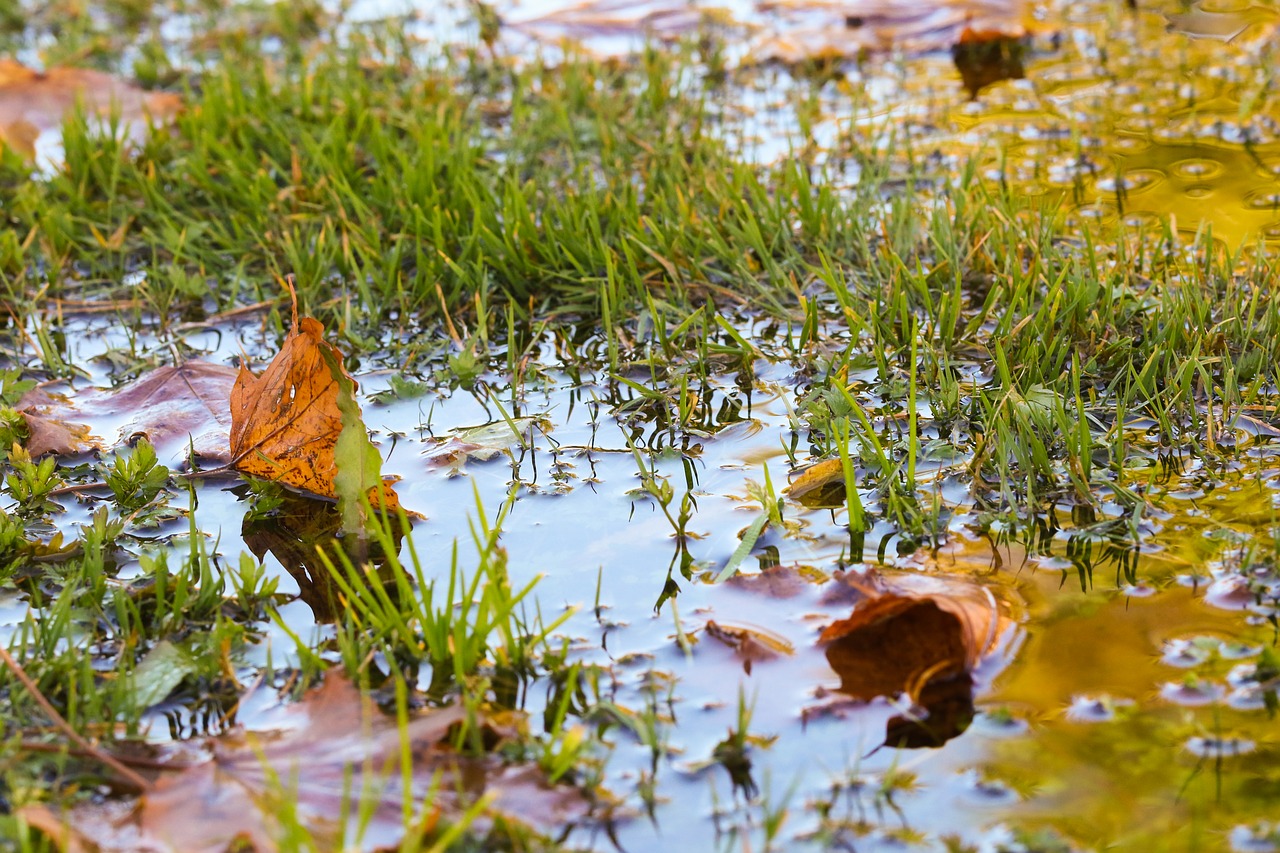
<point x="175" y="408"/>
<point x="34" y="103"/>
<point x="285" y="424"/>
<point x="339" y="756"/>
<point x="918" y="635"/>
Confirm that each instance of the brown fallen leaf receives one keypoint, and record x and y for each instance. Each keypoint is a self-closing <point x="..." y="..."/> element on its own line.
<point x="751" y="644"/>
<point x="34" y="103"/>
<point x="285" y="424"/>
<point x="919" y="635"/>
<point x="337" y="756"/>
<point x="820" y="486"/>
<point x="174" y="407"/>
<point x="662" y="19"/>
<point x="821" y="30"/>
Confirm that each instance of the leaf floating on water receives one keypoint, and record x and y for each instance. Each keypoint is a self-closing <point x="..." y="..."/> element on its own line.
<point x="35" y="104"/>
<point x="751" y="644"/>
<point x="820" y="486"/>
<point x="159" y="672"/>
<point x="664" y="19"/>
<point x="286" y="423"/>
<point x="481" y="443"/>
<point x="814" y="30"/>
<point x="173" y="407"/>
<point x="917" y="635"/>
<point x="339" y="758"/>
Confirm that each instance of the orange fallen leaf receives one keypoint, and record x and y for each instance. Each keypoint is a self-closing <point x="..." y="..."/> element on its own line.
<point x="33" y="103"/>
<point x="285" y="424"/>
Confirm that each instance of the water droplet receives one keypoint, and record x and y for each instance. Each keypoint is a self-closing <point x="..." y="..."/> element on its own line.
<point x="1094" y="709"/>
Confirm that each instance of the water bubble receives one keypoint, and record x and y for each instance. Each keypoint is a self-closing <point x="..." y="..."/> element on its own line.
<point x="1262" y="199"/>
<point x="1247" y="698"/>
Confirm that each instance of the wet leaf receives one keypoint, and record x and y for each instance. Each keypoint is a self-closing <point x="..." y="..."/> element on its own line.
<point x="820" y="486"/>
<point x="159" y="672"/>
<point x="336" y="768"/>
<point x="33" y="105"/>
<point x="822" y="29"/>
<point x="286" y="423"/>
<point x="751" y="644"/>
<point x="917" y="635"/>
<point x="480" y="443"/>
<point x="175" y="408"/>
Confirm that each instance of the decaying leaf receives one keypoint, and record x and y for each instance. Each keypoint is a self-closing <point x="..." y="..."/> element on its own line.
<point x="918" y="635"/>
<point x="786" y="581"/>
<point x="820" y="486"/>
<point x="175" y="408"/>
<point x="662" y="19"/>
<point x="34" y="104"/>
<point x="480" y="443"/>
<point x="286" y="423"/>
<point x="752" y="644"/>
<point x="986" y="37"/>
<point x="336" y="769"/>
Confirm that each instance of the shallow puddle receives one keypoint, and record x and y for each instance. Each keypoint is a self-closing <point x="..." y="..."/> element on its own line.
<point x="1112" y="702"/>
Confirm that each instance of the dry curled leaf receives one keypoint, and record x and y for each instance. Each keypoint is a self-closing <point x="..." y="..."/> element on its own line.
<point x="175" y="408"/>
<point x="286" y="423"/>
<point x="337" y="765"/>
<point x="33" y="103"/>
